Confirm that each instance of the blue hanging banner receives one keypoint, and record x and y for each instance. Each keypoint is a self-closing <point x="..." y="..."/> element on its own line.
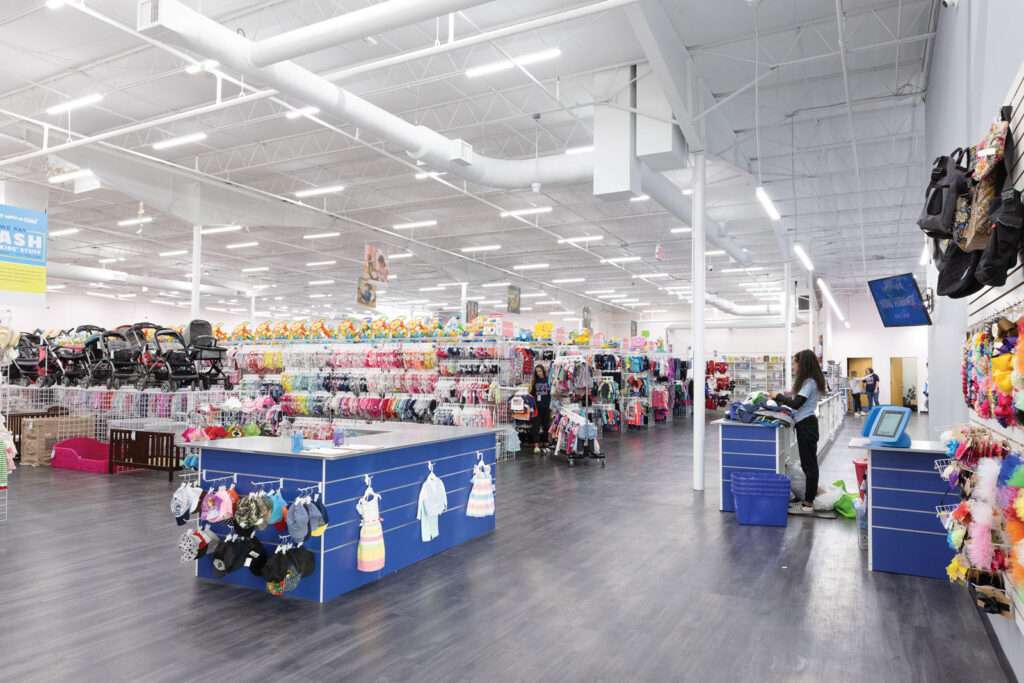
<point x="23" y="256"/>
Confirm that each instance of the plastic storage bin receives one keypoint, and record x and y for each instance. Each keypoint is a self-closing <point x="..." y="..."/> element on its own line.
<point x="860" y="466"/>
<point x="761" y="498"/>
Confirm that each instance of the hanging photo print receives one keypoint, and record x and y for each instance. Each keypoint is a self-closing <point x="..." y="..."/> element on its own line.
<point x="586" y="319"/>
<point x="513" y="298"/>
<point x="375" y="266"/>
<point x="366" y="294"/>
<point x="472" y="310"/>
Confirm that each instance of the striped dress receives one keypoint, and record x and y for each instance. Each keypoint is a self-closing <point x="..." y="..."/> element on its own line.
<point x="481" y="497"/>
<point x="370" y="552"/>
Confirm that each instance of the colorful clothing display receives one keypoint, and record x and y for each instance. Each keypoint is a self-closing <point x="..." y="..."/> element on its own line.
<point x="370" y="552"/>
<point x="481" y="497"/>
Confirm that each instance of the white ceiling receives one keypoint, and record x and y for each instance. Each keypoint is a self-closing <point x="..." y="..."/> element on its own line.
<point x="854" y="212"/>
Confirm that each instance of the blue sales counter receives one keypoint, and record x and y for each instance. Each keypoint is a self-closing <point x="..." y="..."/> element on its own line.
<point x="749" y="448"/>
<point x="905" y="536"/>
<point x="396" y="457"/>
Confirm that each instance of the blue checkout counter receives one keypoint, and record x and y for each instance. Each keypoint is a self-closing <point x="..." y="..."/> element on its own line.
<point x="749" y="448"/>
<point x="395" y="455"/>
<point x="905" y="535"/>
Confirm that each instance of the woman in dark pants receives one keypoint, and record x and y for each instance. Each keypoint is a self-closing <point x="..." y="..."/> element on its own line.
<point x="540" y="389"/>
<point x="808" y="385"/>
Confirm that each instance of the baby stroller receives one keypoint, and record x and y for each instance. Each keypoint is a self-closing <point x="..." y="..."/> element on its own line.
<point x="71" y="363"/>
<point x="167" y="362"/>
<point x="113" y="358"/>
<point x="28" y="367"/>
<point x="205" y="354"/>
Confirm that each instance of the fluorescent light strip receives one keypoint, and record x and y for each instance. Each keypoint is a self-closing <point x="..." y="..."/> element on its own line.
<point x="621" y="259"/>
<point x="750" y="269"/>
<point x="223" y="228"/>
<point x="583" y="149"/>
<point x="567" y="280"/>
<point x="581" y="240"/>
<point x="320" y="263"/>
<point x="407" y="254"/>
<point x="313" y="283"/>
<point x="653" y="276"/>
<point x="432" y="174"/>
<point x="317" y="191"/>
<point x="525" y="308"/>
<point x="105" y="295"/>
<point x="108" y="260"/>
<point x="715" y="252"/>
<point x="496" y="284"/>
<point x="256" y="269"/>
<point x="136" y="221"/>
<point x="317" y="296"/>
<point x="181" y="140"/>
<point x="613" y="296"/>
<point x="303" y="111"/>
<point x="205" y="65"/>
<point x="531" y="266"/>
<point x="74" y="104"/>
<point x="506" y="64"/>
<point x="414" y="224"/>
<point x="526" y="212"/>
<point x="550" y="302"/>
<point x="51" y="288"/>
<point x="532" y="295"/>
<point x="799" y="251"/>
<point x="656" y="310"/>
<point x="677" y="231"/>
<point x="766" y="202"/>
<point x="485" y="247"/>
<point x="599" y="291"/>
<point x="321" y="235"/>
<point x="832" y="302"/>
<point x="63" y="233"/>
<point x="71" y="175"/>
<point x="431" y="289"/>
<point x="639" y="198"/>
<point x="242" y="245"/>
<point x="176" y="252"/>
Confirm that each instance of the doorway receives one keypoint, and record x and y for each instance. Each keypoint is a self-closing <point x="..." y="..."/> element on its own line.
<point x="903" y="387"/>
<point x="860" y="366"/>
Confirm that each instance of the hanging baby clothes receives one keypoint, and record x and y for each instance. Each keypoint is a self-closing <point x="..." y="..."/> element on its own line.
<point x="481" y="497"/>
<point x="433" y="501"/>
<point x="370" y="553"/>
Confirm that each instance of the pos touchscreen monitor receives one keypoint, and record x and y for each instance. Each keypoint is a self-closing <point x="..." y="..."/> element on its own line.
<point x="887" y="425"/>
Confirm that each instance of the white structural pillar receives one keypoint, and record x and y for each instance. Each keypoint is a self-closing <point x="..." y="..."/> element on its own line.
<point x="827" y="350"/>
<point x="197" y="267"/>
<point x="812" y="313"/>
<point x="699" y="286"/>
<point x="788" y="313"/>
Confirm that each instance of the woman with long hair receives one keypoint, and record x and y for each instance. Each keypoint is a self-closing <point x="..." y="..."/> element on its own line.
<point x="540" y="389"/>
<point x="808" y="385"/>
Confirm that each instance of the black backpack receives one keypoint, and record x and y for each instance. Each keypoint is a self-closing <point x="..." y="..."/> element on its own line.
<point x="956" y="278"/>
<point x="1006" y="214"/>
<point x="948" y="178"/>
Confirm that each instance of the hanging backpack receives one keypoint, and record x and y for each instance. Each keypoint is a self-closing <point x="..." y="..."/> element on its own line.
<point x="948" y="174"/>
<point x="1006" y="218"/>
<point x="979" y="230"/>
<point x="956" y="278"/>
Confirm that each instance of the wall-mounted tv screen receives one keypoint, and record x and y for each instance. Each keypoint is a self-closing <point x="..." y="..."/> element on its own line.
<point x="899" y="302"/>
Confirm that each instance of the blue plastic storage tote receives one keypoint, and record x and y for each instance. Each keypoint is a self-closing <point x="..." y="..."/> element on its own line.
<point x="761" y="498"/>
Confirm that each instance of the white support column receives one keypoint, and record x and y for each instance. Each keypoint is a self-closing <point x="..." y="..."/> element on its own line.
<point x="197" y="267"/>
<point x="787" y="278"/>
<point x="812" y="313"/>
<point x="827" y="352"/>
<point x="699" y="287"/>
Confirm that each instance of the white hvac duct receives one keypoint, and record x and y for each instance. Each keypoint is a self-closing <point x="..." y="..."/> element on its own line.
<point x="742" y="323"/>
<point x="351" y="26"/>
<point x="457" y="157"/>
<point x="68" y="271"/>
<point x="741" y="309"/>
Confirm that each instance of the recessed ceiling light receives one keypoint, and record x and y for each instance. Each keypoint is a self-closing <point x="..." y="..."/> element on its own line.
<point x="485" y="247"/>
<point x="581" y="240"/>
<point x="613" y="296"/>
<point x="63" y="233"/>
<point x="181" y="140"/>
<point x="680" y="230"/>
<point x="505" y="64"/>
<point x="223" y="228"/>
<point x="621" y="259"/>
<point x="317" y="191"/>
<point x="242" y="245"/>
<point x="74" y="104"/>
<point x="567" y="280"/>
<point x="321" y="235"/>
<point x="527" y="212"/>
<point x="255" y="269"/>
<point x="311" y="264"/>
<point x="176" y="252"/>
<point x="302" y="111"/>
<point x="414" y="224"/>
<point x="69" y="176"/>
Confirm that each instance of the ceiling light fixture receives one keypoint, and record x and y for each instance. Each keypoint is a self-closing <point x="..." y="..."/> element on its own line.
<point x="313" y="283"/>
<point x="320" y="263"/>
<point x="74" y="104"/>
<point x="549" y="302"/>
<point x="828" y="296"/>
<point x="613" y="296"/>
<point x="52" y="288"/>
<point x="532" y="295"/>
<point x="583" y="149"/>
<point x="530" y="266"/>
<point x="676" y="231"/>
<point x="567" y="280"/>
<point x="639" y="198"/>
<point x="223" y="228"/>
<point x="485" y="247"/>
<point x="656" y="310"/>
<point x="180" y="140"/>
<point x="255" y="269"/>
<point x="176" y="252"/>
<point x="525" y="308"/>
<point x="687" y="192"/>
<point x="621" y="259"/>
<point x="69" y="176"/>
<point x="317" y="191"/>
<point x="431" y="289"/>
<point x="63" y="233"/>
<point x="242" y="245"/>
<point x="496" y="284"/>
<point x="321" y="235"/>
<point x="302" y="111"/>
<point x="581" y="240"/>
<point x="799" y="251"/>
<point x="750" y="269"/>
<point x="407" y="254"/>
<point x="533" y="211"/>
<point x="652" y="276"/>
<point x="414" y="224"/>
<point x="506" y="64"/>
<point x="767" y="203"/>
<point x="715" y="252"/>
<point x="136" y="221"/>
<point x="105" y="295"/>
<point x="205" y="65"/>
<point x="423" y="175"/>
<point x="108" y="260"/>
<point x="317" y="296"/>
<point x="599" y="291"/>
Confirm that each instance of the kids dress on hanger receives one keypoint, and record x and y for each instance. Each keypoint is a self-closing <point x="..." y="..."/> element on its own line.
<point x="370" y="553"/>
<point x="433" y="501"/>
<point x="481" y="497"/>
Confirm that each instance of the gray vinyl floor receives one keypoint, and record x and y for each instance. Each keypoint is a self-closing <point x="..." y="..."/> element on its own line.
<point x="615" y="574"/>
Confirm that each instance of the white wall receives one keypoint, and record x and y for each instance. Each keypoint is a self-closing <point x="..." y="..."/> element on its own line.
<point x="868" y="338"/>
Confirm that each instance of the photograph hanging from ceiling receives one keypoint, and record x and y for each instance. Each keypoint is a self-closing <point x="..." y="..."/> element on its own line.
<point x="375" y="265"/>
<point x="366" y="293"/>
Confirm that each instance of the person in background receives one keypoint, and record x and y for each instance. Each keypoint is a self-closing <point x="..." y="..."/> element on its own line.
<point x="871" y="386"/>
<point x="855" y="390"/>
<point x="808" y="385"/>
<point x="540" y="389"/>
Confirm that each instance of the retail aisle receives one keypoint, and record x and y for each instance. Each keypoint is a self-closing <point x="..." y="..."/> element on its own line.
<point x="611" y="574"/>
